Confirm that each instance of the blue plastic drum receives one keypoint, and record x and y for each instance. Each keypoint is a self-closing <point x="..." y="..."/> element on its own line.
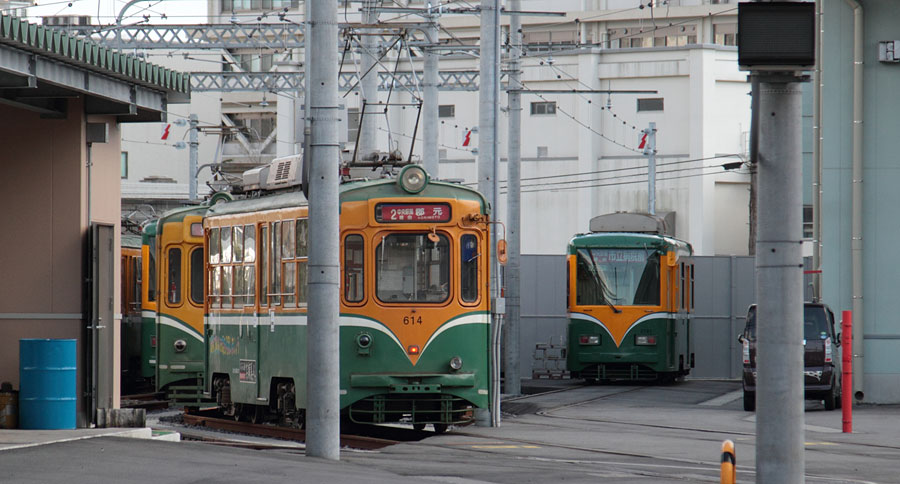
<point x="47" y="396"/>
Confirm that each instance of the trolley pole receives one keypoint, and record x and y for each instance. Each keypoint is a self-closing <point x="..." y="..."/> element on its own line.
<point x="488" y="165"/>
<point x="779" y="283"/>
<point x="512" y="368"/>
<point x="650" y="151"/>
<point x="430" y="83"/>
<point x="368" y="135"/>
<point x="192" y="160"/>
<point x="323" y="409"/>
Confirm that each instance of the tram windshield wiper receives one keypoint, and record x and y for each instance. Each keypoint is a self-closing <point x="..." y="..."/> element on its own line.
<point x="605" y="294"/>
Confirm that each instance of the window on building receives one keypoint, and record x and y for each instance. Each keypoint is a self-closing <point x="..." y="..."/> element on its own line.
<point x="353" y="121"/>
<point x="243" y="5"/>
<point x="447" y="111"/>
<point x="249" y="62"/>
<point x="807" y="221"/>
<point x="255" y="126"/>
<point x="725" y="34"/>
<point x="543" y="108"/>
<point x="650" y="104"/>
<point x="124" y="164"/>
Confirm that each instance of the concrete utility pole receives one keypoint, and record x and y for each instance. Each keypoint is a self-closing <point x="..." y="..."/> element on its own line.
<point x="512" y="364"/>
<point x="193" y="157"/>
<point x="368" y="130"/>
<point x="779" y="284"/>
<point x="430" y="107"/>
<point x="488" y="166"/>
<point x="323" y="405"/>
<point x="650" y="151"/>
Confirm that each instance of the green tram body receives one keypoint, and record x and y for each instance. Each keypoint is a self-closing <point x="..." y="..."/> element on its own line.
<point x="645" y="334"/>
<point x="182" y="322"/>
<point x="148" y="304"/>
<point x="133" y="375"/>
<point x="257" y="357"/>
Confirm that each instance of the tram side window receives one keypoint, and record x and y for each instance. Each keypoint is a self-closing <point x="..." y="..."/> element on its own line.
<point x="302" y="237"/>
<point x="173" y="292"/>
<point x="469" y="268"/>
<point x="151" y="272"/>
<point x="249" y="269"/>
<point x="275" y="259"/>
<point x="354" y="269"/>
<point x="226" y="245"/>
<point x="288" y="249"/>
<point x="197" y="276"/>
<point x="692" y="286"/>
<point x="227" y="300"/>
<point x="263" y="260"/>
<point x="238" y="244"/>
<point x="215" y="287"/>
<point x="214" y="245"/>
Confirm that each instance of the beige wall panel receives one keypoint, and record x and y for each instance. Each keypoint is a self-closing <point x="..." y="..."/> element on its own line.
<point x="42" y="257"/>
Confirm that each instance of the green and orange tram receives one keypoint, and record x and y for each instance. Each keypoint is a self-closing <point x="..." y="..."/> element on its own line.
<point x="414" y="323"/>
<point x="630" y="297"/>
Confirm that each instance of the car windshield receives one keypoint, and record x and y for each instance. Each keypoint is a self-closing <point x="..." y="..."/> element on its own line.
<point x="815" y="323"/>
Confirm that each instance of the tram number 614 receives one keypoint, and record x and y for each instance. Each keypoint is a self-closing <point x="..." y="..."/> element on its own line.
<point x="407" y="320"/>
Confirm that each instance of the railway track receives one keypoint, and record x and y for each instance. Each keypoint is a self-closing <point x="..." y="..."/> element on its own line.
<point x="285" y="433"/>
<point x="149" y="401"/>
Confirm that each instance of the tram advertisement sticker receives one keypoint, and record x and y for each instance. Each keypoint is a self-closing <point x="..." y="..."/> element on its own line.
<point x="248" y="371"/>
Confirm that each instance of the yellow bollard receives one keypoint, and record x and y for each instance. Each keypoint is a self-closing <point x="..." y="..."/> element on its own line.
<point x="729" y="464"/>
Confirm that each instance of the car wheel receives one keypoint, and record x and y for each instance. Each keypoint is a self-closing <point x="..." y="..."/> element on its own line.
<point x="749" y="401"/>
<point x="838" y="400"/>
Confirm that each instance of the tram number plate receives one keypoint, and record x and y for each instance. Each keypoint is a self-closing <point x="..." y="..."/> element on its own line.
<point x="247" y="371"/>
<point x="407" y="320"/>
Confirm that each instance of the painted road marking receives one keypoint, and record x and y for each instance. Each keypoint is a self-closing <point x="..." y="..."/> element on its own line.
<point x="505" y="446"/>
<point x="813" y="444"/>
<point x="723" y="399"/>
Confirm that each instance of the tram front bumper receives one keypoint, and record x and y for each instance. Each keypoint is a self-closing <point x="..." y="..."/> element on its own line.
<point x="412" y="383"/>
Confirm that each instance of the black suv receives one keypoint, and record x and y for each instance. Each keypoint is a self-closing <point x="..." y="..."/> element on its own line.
<point x="821" y="358"/>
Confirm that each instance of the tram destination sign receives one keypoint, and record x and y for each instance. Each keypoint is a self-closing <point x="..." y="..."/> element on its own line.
<point x="412" y="212"/>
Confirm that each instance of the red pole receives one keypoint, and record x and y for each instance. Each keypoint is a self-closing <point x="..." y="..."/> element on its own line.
<point x="847" y="371"/>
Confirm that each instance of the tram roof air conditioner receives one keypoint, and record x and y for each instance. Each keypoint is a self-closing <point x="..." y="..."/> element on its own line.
<point x="661" y="223"/>
<point x="280" y="173"/>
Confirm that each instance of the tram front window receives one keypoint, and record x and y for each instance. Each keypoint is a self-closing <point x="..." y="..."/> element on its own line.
<point x="412" y="268"/>
<point x="621" y="277"/>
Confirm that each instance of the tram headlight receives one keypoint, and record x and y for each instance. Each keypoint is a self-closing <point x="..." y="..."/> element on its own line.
<point x="180" y="345"/>
<point x="413" y="179"/>
<point x="589" y="339"/>
<point x="364" y="340"/>
<point x="644" y="340"/>
<point x="364" y="343"/>
<point x="455" y="363"/>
